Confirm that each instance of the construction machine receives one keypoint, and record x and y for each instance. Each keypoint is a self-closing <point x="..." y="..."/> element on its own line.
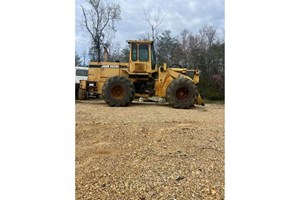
<point x="120" y="82"/>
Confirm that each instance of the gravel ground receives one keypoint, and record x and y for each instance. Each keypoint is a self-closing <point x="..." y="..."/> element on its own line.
<point x="149" y="151"/>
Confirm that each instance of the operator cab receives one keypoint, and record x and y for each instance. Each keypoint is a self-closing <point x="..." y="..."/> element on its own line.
<point x="142" y="66"/>
<point x="142" y="56"/>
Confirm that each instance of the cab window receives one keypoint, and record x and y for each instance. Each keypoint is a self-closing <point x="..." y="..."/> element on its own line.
<point x="133" y="52"/>
<point x="143" y="52"/>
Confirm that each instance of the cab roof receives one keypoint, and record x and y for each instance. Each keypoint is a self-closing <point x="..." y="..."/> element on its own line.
<point x="140" y="41"/>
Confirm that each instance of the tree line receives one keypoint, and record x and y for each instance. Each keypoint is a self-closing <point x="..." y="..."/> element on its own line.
<point x="203" y="50"/>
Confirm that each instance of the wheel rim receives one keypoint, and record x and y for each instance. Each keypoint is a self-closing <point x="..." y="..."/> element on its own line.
<point x="182" y="93"/>
<point x="117" y="92"/>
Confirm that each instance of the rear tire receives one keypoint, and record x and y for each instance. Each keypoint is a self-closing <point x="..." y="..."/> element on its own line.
<point x="118" y="91"/>
<point x="182" y="93"/>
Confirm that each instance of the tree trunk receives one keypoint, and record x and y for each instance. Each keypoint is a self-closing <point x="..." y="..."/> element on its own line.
<point x="98" y="52"/>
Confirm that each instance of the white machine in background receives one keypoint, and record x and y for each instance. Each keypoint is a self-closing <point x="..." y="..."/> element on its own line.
<point x="81" y="73"/>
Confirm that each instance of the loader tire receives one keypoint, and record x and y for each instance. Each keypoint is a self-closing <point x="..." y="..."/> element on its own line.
<point x="118" y="91"/>
<point x="82" y="94"/>
<point x="182" y="93"/>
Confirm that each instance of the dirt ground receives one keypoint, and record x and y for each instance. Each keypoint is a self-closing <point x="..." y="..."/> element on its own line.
<point x="149" y="151"/>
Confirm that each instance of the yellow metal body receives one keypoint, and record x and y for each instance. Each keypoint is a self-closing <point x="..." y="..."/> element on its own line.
<point x="137" y="70"/>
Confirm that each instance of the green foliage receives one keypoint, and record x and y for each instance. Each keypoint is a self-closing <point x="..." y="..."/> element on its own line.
<point x="118" y="54"/>
<point x="167" y="47"/>
<point x="124" y="57"/>
<point x="212" y="88"/>
<point x="212" y="94"/>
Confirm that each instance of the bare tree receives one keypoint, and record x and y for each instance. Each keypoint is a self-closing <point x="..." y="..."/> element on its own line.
<point x="154" y="20"/>
<point x="98" y="19"/>
<point x="84" y="58"/>
<point x="208" y="33"/>
<point x="77" y="59"/>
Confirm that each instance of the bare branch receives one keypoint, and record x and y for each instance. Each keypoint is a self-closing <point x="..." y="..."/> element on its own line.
<point x="147" y="18"/>
<point x="154" y="22"/>
<point x="107" y="20"/>
<point x="158" y="20"/>
<point x="98" y="20"/>
<point x="86" y="23"/>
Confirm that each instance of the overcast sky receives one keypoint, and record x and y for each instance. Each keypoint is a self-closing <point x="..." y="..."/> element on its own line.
<point x="180" y="15"/>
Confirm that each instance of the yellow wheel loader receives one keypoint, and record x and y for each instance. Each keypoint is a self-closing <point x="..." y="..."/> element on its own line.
<point x="119" y="82"/>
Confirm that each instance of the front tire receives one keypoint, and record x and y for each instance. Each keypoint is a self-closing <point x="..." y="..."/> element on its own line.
<point x="182" y="93"/>
<point x="118" y="91"/>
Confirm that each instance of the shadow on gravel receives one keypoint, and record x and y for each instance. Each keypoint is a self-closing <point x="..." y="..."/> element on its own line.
<point x="139" y="104"/>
